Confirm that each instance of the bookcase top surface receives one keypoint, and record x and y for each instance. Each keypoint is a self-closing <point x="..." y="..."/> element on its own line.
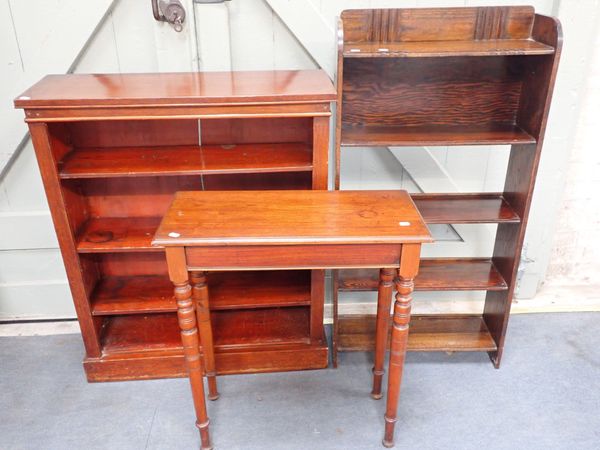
<point x="291" y="217"/>
<point x="186" y="88"/>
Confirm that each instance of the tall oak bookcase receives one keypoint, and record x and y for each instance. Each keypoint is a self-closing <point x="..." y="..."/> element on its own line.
<point x="443" y="77"/>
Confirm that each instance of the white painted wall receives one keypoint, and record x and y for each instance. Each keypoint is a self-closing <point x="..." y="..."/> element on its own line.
<point x="53" y="36"/>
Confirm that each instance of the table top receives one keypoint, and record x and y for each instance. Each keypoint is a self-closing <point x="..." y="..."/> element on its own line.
<point x="225" y="218"/>
<point x="176" y="89"/>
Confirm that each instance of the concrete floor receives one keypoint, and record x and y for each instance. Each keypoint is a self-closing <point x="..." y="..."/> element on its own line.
<point x="546" y="396"/>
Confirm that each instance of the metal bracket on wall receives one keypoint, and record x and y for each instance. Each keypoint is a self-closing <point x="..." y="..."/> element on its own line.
<point x="170" y="11"/>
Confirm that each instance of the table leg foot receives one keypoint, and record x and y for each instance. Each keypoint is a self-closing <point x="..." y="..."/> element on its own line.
<point x="204" y="435"/>
<point x="213" y="393"/>
<point x="382" y="327"/>
<point x="388" y="437"/>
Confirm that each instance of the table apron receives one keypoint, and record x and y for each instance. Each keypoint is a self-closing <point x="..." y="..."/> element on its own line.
<point x="257" y="257"/>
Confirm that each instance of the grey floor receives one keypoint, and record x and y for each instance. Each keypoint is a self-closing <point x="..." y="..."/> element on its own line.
<point x="546" y="396"/>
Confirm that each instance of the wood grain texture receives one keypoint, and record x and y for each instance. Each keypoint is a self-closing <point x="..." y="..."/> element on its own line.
<point x="465" y="208"/>
<point x="478" y="76"/>
<point x="296" y="256"/>
<point x="440" y="274"/>
<point x="291" y="218"/>
<point x="186" y="160"/>
<point x="169" y="363"/>
<point x="427" y="333"/>
<point x="113" y="194"/>
<point x="176" y="89"/>
<point x="148" y="294"/>
<point x="394" y="135"/>
<point x="118" y="234"/>
<point x="231" y="329"/>
<point x="428" y="49"/>
<point x="437" y="24"/>
<point x="521" y="175"/>
<point x="416" y="92"/>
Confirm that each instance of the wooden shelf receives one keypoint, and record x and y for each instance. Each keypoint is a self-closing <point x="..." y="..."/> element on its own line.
<point x="427" y="333"/>
<point x="465" y="208"/>
<point x="441" y="274"/>
<point x="116" y="234"/>
<point x="152" y="294"/>
<point x="186" y="160"/>
<point x="427" y="49"/>
<point x="392" y="135"/>
<point x="231" y="330"/>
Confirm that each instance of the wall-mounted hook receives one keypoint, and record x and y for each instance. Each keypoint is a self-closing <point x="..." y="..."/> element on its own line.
<point x="170" y="11"/>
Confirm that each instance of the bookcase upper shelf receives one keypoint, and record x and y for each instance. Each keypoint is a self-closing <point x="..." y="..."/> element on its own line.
<point x="420" y="49"/>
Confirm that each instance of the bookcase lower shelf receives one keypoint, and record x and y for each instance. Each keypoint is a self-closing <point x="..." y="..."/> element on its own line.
<point x="427" y="333"/>
<point x="146" y="346"/>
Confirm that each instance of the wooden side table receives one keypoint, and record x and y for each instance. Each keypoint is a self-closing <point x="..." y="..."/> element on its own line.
<point x="281" y="230"/>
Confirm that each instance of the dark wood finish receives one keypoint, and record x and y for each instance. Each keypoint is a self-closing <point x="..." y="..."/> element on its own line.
<point x="287" y="230"/>
<point x="452" y="76"/>
<point x="435" y="333"/>
<point x="429" y="49"/>
<point x="393" y="135"/>
<point x="114" y="149"/>
<point x="440" y="274"/>
<point x="465" y="208"/>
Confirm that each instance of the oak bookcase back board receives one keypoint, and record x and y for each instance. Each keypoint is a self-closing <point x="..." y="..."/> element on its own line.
<point x="114" y="149"/>
<point x="449" y="76"/>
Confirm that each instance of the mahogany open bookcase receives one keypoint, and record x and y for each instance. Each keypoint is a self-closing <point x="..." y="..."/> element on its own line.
<point x="114" y="149"/>
<point x="449" y="76"/>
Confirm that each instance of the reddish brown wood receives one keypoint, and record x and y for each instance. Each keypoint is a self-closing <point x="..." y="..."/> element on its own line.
<point x="284" y="230"/>
<point x="440" y="274"/>
<point x="255" y="257"/>
<point x="384" y="301"/>
<point x="170" y="362"/>
<point x="433" y="333"/>
<point x="154" y="293"/>
<point x="187" y="160"/>
<point x="201" y="299"/>
<point x="120" y="167"/>
<point x="189" y="337"/>
<point x="409" y="267"/>
<point x="177" y="89"/>
<point x="232" y="330"/>
<point x="291" y="218"/>
<point x="118" y="234"/>
<point x="63" y="224"/>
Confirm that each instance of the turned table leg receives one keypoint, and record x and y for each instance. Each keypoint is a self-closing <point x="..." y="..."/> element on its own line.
<point x="200" y="294"/>
<point x="398" y="345"/>
<point x="189" y="338"/>
<point x="384" y="300"/>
